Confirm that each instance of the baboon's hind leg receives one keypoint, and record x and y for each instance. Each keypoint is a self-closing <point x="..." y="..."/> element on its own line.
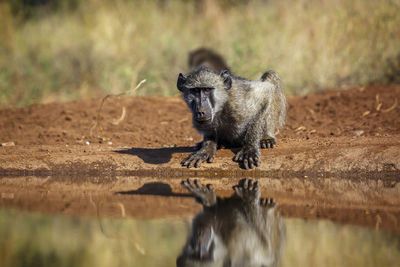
<point x="267" y="202"/>
<point x="268" y="142"/>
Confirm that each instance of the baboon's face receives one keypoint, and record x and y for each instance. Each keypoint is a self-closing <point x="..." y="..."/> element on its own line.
<point x="204" y="248"/>
<point x="201" y="102"/>
<point x="200" y="93"/>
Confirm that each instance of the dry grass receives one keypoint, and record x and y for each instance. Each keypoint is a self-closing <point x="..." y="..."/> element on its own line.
<point x="103" y="47"/>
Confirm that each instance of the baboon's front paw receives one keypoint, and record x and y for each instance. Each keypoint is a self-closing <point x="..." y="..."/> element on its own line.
<point x="204" y="193"/>
<point x="267" y="202"/>
<point x="267" y="143"/>
<point x="248" y="190"/>
<point x="248" y="156"/>
<point x="195" y="159"/>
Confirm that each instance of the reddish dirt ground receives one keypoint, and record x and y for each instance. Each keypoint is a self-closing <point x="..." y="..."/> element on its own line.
<point x="337" y="158"/>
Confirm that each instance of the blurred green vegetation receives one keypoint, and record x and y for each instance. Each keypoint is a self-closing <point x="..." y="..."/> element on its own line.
<point x="69" y="49"/>
<point x="324" y="243"/>
<point x="29" y="239"/>
<point x="37" y="240"/>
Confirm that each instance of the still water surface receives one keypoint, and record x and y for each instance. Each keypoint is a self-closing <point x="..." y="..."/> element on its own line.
<point x="33" y="239"/>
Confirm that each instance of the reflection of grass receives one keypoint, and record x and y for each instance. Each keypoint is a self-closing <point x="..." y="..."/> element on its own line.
<point x="42" y="240"/>
<point x="106" y="46"/>
<point x="322" y="243"/>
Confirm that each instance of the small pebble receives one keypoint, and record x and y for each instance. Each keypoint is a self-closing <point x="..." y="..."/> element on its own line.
<point x="358" y="133"/>
<point x="8" y="144"/>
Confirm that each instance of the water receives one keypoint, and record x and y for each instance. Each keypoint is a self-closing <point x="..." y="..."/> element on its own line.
<point x="138" y="221"/>
<point x="34" y="239"/>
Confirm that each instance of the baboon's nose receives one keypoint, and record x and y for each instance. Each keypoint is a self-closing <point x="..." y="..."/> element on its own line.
<point x="201" y="113"/>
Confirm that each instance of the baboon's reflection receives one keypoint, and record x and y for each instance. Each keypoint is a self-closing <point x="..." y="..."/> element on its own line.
<point x="242" y="230"/>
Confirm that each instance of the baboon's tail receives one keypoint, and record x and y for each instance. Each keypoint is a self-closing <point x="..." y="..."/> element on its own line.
<point x="272" y="77"/>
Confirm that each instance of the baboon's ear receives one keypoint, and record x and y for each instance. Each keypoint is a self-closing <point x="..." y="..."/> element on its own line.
<point x="226" y="76"/>
<point x="181" y="81"/>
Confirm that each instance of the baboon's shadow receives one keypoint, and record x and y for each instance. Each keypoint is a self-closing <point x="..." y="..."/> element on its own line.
<point x="155" y="155"/>
<point x="155" y="189"/>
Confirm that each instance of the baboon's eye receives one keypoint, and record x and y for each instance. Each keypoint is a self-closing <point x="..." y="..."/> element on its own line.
<point x="207" y="90"/>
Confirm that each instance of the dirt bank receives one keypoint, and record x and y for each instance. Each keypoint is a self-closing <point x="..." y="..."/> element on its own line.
<point x="339" y="151"/>
<point x="331" y="132"/>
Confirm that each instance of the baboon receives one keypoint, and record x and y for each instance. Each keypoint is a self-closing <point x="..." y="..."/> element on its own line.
<point x="242" y="230"/>
<point x="233" y="112"/>
<point x="208" y="58"/>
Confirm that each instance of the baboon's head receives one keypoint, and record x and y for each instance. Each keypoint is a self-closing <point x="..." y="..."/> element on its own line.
<point x="204" y="91"/>
<point x="207" y="57"/>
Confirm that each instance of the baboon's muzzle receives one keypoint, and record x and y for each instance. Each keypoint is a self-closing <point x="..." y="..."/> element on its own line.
<point x="202" y="116"/>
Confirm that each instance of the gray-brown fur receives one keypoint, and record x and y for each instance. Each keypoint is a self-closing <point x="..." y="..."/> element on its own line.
<point x="233" y="112"/>
<point x="208" y="58"/>
<point x="242" y="230"/>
